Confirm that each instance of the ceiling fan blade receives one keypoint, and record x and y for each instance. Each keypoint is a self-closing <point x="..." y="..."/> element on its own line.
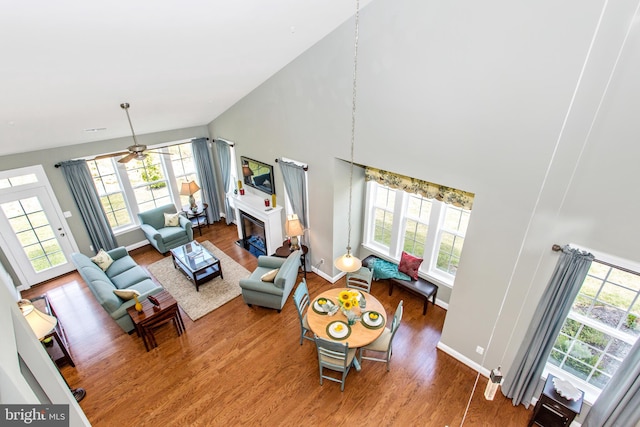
<point x="129" y="156"/>
<point x="158" y="152"/>
<point x="106" y="156"/>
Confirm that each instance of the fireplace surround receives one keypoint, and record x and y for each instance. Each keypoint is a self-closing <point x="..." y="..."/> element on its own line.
<point x="253" y="208"/>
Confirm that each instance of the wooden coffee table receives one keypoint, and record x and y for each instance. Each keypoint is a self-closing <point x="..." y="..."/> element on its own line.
<point x="196" y="262"/>
<point x="151" y="318"/>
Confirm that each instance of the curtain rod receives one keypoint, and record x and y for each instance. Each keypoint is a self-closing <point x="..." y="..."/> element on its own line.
<point x="57" y="165"/>
<point x="304" y="166"/>
<point x="558" y="248"/>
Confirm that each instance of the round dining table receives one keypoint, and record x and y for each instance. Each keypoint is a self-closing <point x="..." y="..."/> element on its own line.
<point x="359" y="334"/>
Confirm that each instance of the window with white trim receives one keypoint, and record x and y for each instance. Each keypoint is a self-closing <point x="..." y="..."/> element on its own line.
<point x="601" y="327"/>
<point x="140" y="185"/>
<point x="397" y="221"/>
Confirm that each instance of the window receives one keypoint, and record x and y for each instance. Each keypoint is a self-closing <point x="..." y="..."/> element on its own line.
<point x="601" y="327"/>
<point x="184" y="169"/>
<point x="399" y="221"/>
<point x="139" y="185"/>
<point x="110" y="191"/>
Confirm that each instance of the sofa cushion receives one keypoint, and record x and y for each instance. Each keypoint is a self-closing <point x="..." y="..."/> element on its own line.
<point x="270" y="275"/>
<point x="121" y="265"/>
<point x="126" y="294"/>
<point x="102" y="259"/>
<point x="105" y="296"/>
<point x="130" y="277"/>
<point x="171" y="220"/>
<point x="409" y="265"/>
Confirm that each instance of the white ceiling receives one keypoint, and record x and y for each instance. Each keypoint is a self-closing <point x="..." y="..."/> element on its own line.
<point x="67" y="65"/>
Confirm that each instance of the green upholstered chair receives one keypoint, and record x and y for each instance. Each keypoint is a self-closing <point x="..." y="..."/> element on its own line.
<point x="271" y="294"/>
<point x="301" y="300"/>
<point x="334" y="356"/>
<point x="384" y="342"/>
<point x="161" y="237"/>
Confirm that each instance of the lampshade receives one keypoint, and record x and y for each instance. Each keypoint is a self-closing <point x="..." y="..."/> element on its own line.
<point x="347" y="262"/>
<point x="246" y="171"/>
<point x="293" y="226"/>
<point x="42" y="324"/>
<point x="188" y="188"/>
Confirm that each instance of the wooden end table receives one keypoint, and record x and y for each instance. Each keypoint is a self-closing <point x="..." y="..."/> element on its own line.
<point x="285" y="250"/>
<point x="198" y="217"/>
<point x="151" y="318"/>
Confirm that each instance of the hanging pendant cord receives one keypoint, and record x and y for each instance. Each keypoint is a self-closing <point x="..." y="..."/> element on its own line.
<point x="353" y="121"/>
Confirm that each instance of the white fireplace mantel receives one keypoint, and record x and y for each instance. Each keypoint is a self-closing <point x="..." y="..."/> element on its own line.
<point x="272" y="217"/>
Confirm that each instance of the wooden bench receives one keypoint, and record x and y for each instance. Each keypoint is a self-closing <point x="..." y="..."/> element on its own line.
<point x="420" y="287"/>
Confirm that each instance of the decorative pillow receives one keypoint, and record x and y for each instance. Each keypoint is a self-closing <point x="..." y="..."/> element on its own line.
<point x="171" y="220"/>
<point x="269" y="276"/>
<point x="102" y="259"/>
<point x="409" y="265"/>
<point x="126" y="294"/>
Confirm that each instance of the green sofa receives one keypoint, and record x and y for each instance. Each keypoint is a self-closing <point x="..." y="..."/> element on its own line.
<point x="123" y="273"/>
<point x="165" y="238"/>
<point x="268" y="294"/>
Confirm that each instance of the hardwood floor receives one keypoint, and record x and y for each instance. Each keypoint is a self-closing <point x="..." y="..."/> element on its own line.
<point x="244" y="366"/>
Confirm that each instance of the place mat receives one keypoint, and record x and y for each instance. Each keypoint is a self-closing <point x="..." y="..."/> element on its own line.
<point x="318" y="308"/>
<point x="342" y="334"/>
<point x="369" y="323"/>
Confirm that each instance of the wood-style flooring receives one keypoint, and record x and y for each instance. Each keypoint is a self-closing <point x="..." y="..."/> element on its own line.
<point x="244" y="366"/>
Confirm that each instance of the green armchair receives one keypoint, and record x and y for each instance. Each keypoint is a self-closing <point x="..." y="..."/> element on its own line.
<point x="271" y="294"/>
<point x="164" y="238"/>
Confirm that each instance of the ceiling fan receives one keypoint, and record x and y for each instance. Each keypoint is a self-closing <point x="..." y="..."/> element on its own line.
<point x="135" y="151"/>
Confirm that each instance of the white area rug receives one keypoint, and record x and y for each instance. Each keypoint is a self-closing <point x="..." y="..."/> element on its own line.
<point x="212" y="294"/>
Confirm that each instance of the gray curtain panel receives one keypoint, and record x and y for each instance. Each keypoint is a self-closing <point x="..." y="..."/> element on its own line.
<point x="619" y="402"/>
<point x="78" y="177"/>
<point x="224" y="155"/>
<point x="207" y="176"/>
<point x="521" y="380"/>
<point x="295" y="184"/>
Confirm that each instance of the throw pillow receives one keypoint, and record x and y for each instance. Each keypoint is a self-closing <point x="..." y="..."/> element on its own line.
<point x="126" y="294"/>
<point x="102" y="259"/>
<point x="270" y="276"/>
<point x="171" y="220"/>
<point x="409" y="264"/>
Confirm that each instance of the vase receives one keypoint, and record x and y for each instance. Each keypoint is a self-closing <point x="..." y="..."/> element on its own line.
<point x="351" y="316"/>
<point x="138" y="305"/>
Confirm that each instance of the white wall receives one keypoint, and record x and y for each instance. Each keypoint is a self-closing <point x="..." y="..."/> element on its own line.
<point x="477" y="96"/>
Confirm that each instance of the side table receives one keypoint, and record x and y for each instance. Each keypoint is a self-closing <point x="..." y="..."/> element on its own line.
<point x="285" y="250"/>
<point x="554" y="410"/>
<point x="199" y="217"/>
<point x="151" y="318"/>
<point x="42" y="302"/>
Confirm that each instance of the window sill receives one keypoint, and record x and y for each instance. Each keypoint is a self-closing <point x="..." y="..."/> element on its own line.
<point x="431" y="278"/>
<point x="126" y="229"/>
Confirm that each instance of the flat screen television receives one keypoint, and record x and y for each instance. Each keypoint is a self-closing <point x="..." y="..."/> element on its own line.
<point x="257" y="175"/>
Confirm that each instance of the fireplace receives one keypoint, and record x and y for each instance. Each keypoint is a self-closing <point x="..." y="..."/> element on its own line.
<point x="253" y="235"/>
<point x="251" y="213"/>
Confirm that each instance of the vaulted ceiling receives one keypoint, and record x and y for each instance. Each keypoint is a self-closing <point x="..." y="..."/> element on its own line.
<point x="68" y="65"/>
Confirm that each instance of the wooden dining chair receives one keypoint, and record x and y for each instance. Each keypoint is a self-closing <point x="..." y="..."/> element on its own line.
<point x="360" y="279"/>
<point x="336" y="357"/>
<point x="301" y="300"/>
<point x="383" y="344"/>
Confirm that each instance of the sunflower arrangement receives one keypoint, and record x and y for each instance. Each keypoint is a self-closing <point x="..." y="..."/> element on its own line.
<point x="348" y="299"/>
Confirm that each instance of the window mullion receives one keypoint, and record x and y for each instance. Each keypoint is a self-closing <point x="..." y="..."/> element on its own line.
<point x="132" y="203"/>
<point x="399" y="223"/>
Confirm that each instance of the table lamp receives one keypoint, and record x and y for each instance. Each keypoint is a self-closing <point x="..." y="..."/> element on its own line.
<point x="293" y="228"/>
<point x="41" y="323"/>
<point x="188" y="189"/>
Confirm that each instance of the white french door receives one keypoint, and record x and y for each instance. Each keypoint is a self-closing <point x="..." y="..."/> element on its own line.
<point x="33" y="231"/>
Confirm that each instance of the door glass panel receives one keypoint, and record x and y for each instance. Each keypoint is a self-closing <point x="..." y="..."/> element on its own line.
<point x="36" y="236"/>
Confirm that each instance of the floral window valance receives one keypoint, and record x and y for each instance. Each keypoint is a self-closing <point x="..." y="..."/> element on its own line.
<point x="426" y="189"/>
